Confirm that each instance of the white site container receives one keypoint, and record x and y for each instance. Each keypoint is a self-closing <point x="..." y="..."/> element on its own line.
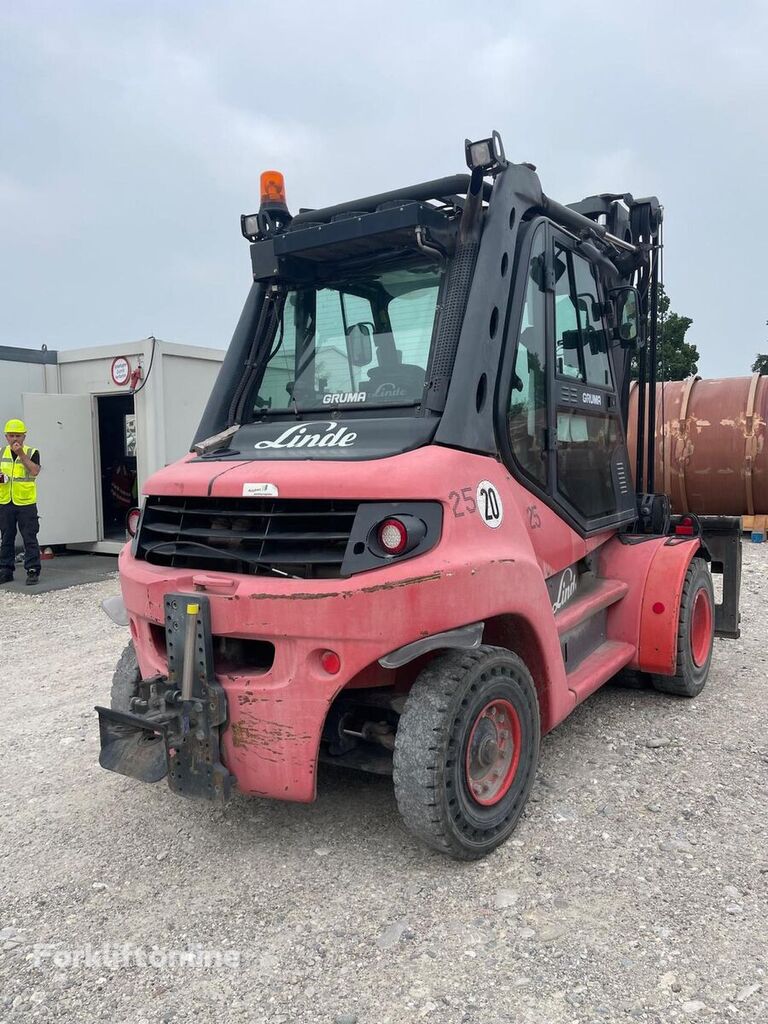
<point x="84" y="416"/>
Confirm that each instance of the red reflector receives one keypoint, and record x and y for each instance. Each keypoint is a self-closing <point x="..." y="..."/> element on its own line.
<point x="331" y="662"/>
<point x="685" y="528"/>
<point x="132" y="521"/>
<point x="393" y="536"/>
<point x="658" y="608"/>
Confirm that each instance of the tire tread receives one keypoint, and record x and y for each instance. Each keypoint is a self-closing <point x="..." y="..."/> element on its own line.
<point x="418" y="779"/>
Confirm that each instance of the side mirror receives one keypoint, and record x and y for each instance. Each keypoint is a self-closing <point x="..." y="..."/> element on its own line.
<point x="627" y="306"/>
<point x="359" y="344"/>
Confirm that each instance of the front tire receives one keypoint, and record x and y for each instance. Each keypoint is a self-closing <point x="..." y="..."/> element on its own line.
<point x="695" y="634"/>
<point x="466" y="751"/>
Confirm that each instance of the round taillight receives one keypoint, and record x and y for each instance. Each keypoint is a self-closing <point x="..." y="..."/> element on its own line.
<point x="132" y="521"/>
<point x="331" y="662"/>
<point x="393" y="536"/>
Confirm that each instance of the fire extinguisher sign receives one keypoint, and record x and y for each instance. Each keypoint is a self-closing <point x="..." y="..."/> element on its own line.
<point x="121" y="371"/>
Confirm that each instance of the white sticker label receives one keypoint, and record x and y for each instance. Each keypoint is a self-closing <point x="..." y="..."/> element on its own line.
<point x="489" y="504"/>
<point x="259" y="490"/>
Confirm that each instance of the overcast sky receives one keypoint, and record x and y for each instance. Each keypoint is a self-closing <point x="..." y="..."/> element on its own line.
<point x="132" y="136"/>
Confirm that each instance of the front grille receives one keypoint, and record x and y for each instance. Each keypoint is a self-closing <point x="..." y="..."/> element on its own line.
<point x="256" y="536"/>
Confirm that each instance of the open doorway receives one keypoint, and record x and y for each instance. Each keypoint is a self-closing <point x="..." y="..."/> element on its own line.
<point x="117" y="448"/>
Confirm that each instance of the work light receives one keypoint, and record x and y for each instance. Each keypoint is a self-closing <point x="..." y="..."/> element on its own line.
<point x="485" y="154"/>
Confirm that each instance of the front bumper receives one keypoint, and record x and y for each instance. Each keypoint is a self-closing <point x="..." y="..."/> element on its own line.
<point x="170" y="733"/>
<point x="275" y="715"/>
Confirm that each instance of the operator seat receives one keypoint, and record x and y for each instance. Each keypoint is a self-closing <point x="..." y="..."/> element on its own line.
<point x="392" y="378"/>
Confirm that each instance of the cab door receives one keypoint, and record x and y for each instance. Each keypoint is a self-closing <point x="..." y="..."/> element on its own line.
<point x="560" y="432"/>
<point x="590" y="480"/>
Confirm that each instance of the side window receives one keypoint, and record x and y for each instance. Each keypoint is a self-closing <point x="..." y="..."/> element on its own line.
<point x="279" y="375"/>
<point x="580" y="338"/>
<point x="586" y="443"/>
<point x="593" y="336"/>
<point x="588" y="440"/>
<point x="527" y="415"/>
<point x="567" y="342"/>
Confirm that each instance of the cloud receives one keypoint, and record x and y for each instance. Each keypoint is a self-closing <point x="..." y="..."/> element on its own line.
<point x="134" y="134"/>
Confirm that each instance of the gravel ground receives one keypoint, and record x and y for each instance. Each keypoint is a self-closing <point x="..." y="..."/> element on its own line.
<point x="634" y="888"/>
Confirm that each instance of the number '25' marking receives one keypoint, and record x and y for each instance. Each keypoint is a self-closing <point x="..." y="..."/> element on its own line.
<point x="464" y="500"/>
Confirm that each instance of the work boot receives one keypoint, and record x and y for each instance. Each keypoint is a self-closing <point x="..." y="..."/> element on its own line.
<point x="6" y="576"/>
<point x="33" y="575"/>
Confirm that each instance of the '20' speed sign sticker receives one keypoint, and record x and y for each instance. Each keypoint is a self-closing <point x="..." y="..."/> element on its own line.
<point x="489" y="504"/>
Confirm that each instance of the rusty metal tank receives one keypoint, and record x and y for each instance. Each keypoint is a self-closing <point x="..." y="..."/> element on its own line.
<point x="711" y="453"/>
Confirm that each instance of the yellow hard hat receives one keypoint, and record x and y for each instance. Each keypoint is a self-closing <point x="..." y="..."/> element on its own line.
<point x="15" y="427"/>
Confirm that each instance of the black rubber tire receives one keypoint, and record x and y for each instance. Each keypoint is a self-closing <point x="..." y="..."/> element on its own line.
<point x="690" y="678"/>
<point x="430" y="750"/>
<point x="125" y="681"/>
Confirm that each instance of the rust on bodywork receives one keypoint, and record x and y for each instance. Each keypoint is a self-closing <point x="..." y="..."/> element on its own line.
<point x="410" y="582"/>
<point x="392" y="585"/>
<point x="263" y="733"/>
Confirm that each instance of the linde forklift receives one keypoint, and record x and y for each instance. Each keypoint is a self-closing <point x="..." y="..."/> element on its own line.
<point x="406" y="538"/>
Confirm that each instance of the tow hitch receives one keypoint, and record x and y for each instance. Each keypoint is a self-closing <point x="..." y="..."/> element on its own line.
<point x="174" y="723"/>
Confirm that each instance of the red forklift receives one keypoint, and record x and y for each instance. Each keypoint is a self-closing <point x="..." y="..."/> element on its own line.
<point x="407" y="538"/>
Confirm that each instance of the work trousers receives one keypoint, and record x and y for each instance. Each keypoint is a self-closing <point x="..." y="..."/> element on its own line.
<point x="25" y="518"/>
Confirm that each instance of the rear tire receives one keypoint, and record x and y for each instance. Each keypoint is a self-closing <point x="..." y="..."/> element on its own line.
<point x="695" y="633"/>
<point x="125" y="681"/>
<point x="466" y="751"/>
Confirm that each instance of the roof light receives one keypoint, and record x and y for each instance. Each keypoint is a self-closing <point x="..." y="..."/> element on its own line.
<point x="273" y="216"/>
<point x="272" y="189"/>
<point x="486" y="154"/>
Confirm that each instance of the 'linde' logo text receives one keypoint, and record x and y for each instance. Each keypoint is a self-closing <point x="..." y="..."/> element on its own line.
<point x="301" y="436"/>
<point x="566" y="590"/>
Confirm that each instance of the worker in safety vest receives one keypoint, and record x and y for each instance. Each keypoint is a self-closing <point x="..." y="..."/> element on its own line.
<point x="19" y="467"/>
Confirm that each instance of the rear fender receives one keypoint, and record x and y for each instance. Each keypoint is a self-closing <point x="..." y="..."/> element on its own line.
<point x="660" y="608"/>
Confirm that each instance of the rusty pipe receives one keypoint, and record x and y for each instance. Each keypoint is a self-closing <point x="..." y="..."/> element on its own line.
<point x="711" y="455"/>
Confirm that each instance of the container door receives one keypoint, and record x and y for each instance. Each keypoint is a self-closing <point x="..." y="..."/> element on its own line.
<point x="61" y="426"/>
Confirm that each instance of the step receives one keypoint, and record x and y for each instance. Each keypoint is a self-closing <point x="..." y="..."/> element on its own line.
<point x="591" y="598"/>
<point x="598" y="667"/>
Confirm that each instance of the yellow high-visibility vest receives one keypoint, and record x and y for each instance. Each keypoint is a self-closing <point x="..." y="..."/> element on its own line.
<point x="18" y="486"/>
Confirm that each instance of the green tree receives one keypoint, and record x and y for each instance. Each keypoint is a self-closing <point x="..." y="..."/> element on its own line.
<point x="760" y="364"/>
<point x="676" y="359"/>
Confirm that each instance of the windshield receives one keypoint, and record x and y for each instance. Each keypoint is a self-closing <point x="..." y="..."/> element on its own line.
<point x="363" y="339"/>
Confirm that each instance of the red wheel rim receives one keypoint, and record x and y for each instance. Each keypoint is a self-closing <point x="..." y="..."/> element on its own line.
<point x="701" y="628"/>
<point x="493" y="752"/>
